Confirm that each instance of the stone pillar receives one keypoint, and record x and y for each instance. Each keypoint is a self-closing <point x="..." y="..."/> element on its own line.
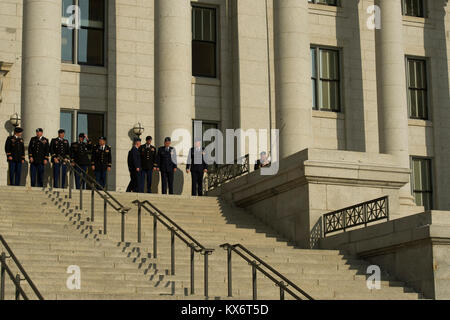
<point x="392" y="101"/>
<point x="293" y="76"/>
<point x="173" y="68"/>
<point x="41" y="66"/>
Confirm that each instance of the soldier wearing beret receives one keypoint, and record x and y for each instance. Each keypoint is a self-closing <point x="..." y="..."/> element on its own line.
<point x="15" y="154"/>
<point x="38" y="152"/>
<point x="148" y="159"/>
<point x="101" y="161"/>
<point x="79" y="152"/>
<point x="166" y="161"/>
<point x="60" y="152"/>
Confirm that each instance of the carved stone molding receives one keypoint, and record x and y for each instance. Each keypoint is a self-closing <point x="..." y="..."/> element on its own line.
<point x="5" y="67"/>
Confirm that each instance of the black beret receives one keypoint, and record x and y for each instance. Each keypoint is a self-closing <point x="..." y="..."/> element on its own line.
<point x="167" y="139"/>
<point x="137" y="140"/>
<point x="61" y="131"/>
<point x="102" y="138"/>
<point x="39" y="130"/>
<point x="81" y="135"/>
<point x="149" y="138"/>
<point x="18" y="130"/>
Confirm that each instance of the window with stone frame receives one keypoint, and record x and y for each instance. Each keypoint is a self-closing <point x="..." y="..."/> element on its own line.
<point x="417" y="88"/>
<point x="204" y="42"/>
<point x="325" y="80"/>
<point x="413" y="8"/>
<point x="422" y="186"/>
<point x="325" y="2"/>
<point x="83" y="43"/>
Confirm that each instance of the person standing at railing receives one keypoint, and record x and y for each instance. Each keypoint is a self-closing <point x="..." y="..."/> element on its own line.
<point x="38" y="152"/>
<point x="79" y="153"/>
<point x="148" y="159"/>
<point x="197" y="166"/>
<point x="167" y="164"/>
<point x="101" y="161"/>
<point x="263" y="161"/>
<point x="15" y="153"/>
<point x="135" y="167"/>
<point x="60" y="151"/>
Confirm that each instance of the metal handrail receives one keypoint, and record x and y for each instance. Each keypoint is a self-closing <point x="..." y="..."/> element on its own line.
<point x="219" y="174"/>
<point x="284" y="284"/>
<point x="16" y="280"/>
<point x="356" y="215"/>
<point x="175" y="231"/>
<point x="95" y="187"/>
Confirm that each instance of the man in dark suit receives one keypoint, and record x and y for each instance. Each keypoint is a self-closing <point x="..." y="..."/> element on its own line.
<point x="15" y="154"/>
<point x="197" y="166"/>
<point x="167" y="164"/>
<point x="79" y="152"/>
<point x="38" y="151"/>
<point x="101" y="161"/>
<point x="148" y="159"/>
<point x="263" y="161"/>
<point x="135" y="167"/>
<point x="59" y="149"/>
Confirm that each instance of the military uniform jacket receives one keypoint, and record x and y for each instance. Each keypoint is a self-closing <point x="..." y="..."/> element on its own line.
<point x="196" y="161"/>
<point x="164" y="159"/>
<point x="59" y="148"/>
<point x="101" y="159"/>
<point x="80" y="151"/>
<point x="38" y="149"/>
<point x="148" y="157"/>
<point x="134" y="160"/>
<point x="15" y="148"/>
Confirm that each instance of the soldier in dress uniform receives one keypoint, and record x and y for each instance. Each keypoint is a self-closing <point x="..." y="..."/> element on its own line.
<point x="38" y="152"/>
<point x="15" y="154"/>
<point x="60" y="151"/>
<point x="101" y="161"/>
<point x="197" y="166"/>
<point x="148" y="160"/>
<point x="135" y="167"/>
<point x="79" y="152"/>
<point x="166" y="161"/>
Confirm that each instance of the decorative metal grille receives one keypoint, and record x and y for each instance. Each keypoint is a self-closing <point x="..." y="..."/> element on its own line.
<point x="358" y="215"/>
<point x="219" y="174"/>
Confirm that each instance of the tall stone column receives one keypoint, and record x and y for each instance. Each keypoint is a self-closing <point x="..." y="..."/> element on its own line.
<point x="173" y="67"/>
<point x="41" y="66"/>
<point x="392" y="105"/>
<point x="293" y="76"/>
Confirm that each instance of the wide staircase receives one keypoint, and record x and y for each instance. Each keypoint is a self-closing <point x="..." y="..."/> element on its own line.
<point x="48" y="232"/>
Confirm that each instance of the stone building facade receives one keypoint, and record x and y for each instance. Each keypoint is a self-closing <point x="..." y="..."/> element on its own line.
<point x="322" y="72"/>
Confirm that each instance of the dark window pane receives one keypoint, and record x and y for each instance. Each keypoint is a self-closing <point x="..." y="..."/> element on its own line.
<point x="91" y="124"/>
<point x="92" y="13"/>
<point x="65" y="8"/>
<point x="203" y="59"/>
<point x="67" y="44"/>
<point x="66" y="123"/>
<point x="90" y="47"/>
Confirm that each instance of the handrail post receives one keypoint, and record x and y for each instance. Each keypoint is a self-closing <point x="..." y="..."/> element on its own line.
<point x="192" y="270"/>
<point x="81" y="199"/>
<point x="387" y="208"/>
<point x="139" y="222"/>
<point x="230" y="276"/>
<point x="206" y="285"/>
<point x="254" y="281"/>
<point x="172" y="251"/>
<point x="70" y="182"/>
<point x="17" y="283"/>
<point x="281" y="285"/>
<point x="2" y="276"/>
<point x="365" y="207"/>
<point x="105" y="214"/>
<point x="155" y="237"/>
<point x="122" y="233"/>
<point x="92" y="205"/>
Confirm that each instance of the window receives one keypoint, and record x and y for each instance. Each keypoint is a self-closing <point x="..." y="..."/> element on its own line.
<point x="325" y="79"/>
<point x="413" y="8"/>
<point x="205" y="127"/>
<point x="204" y="42"/>
<point x="92" y="124"/>
<point x="417" y="88"/>
<point x="326" y="2"/>
<point x="421" y="182"/>
<point x="83" y="45"/>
